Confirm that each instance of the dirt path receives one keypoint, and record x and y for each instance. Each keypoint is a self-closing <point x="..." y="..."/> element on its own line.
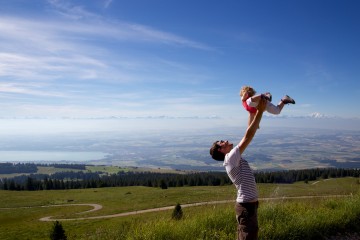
<point x="97" y="207"/>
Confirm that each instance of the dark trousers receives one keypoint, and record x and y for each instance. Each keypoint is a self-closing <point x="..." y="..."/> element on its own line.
<point x="246" y="216"/>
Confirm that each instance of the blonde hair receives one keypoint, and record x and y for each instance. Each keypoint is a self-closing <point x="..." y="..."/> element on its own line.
<point x="247" y="89"/>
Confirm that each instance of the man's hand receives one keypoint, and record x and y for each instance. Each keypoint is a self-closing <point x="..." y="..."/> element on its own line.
<point x="262" y="105"/>
<point x="251" y="130"/>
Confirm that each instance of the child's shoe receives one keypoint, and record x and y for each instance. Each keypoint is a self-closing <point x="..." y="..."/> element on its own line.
<point x="286" y="99"/>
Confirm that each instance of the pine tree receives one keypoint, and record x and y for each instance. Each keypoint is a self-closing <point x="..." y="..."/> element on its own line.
<point x="57" y="232"/>
<point x="177" y="213"/>
<point x="163" y="184"/>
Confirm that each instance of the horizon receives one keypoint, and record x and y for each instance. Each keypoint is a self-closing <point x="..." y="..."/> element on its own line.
<point x="163" y="124"/>
<point x="274" y="146"/>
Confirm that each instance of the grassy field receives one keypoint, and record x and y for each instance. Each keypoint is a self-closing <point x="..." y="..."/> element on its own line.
<point x="279" y="219"/>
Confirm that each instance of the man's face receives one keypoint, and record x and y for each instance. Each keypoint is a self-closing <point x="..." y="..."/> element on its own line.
<point x="225" y="146"/>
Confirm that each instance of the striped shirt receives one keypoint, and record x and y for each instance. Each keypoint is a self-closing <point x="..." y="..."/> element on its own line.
<point x="241" y="175"/>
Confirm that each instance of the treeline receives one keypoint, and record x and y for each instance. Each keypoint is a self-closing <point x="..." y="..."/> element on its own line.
<point x="78" y="180"/>
<point x="291" y="176"/>
<point x="69" y="166"/>
<point x="121" y="179"/>
<point x="8" y="168"/>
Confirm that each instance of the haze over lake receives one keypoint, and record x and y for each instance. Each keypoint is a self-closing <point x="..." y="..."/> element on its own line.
<point x="179" y="143"/>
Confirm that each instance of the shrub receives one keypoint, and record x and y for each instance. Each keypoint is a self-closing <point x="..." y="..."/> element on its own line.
<point x="177" y="213"/>
<point x="57" y="232"/>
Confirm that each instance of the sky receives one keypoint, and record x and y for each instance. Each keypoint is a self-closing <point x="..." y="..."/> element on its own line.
<point x="177" y="59"/>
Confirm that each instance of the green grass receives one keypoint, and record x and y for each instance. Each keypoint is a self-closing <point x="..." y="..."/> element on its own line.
<point x="105" y="169"/>
<point x="279" y="219"/>
<point x="309" y="219"/>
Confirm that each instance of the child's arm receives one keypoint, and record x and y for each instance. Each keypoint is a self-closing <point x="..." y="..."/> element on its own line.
<point x="244" y="97"/>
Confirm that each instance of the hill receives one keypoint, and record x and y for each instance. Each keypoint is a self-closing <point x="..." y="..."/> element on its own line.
<point x="279" y="216"/>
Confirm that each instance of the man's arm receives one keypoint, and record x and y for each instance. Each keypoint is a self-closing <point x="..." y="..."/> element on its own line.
<point x="251" y="130"/>
<point x="251" y="118"/>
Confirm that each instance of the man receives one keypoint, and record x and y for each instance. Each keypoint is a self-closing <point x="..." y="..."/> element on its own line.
<point x="242" y="176"/>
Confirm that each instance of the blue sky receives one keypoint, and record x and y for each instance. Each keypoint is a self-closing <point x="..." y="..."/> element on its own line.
<point x="102" y="58"/>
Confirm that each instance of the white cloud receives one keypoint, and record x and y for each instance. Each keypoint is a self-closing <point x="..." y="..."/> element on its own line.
<point x="28" y="90"/>
<point x="117" y="29"/>
<point x="84" y="59"/>
<point x="35" y="49"/>
<point x="107" y="3"/>
<point x="68" y="10"/>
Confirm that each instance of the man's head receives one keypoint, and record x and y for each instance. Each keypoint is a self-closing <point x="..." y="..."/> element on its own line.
<point x="219" y="149"/>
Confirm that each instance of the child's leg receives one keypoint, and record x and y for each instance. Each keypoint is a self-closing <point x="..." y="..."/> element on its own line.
<point x="277" y="109"/>
<point x="254" y="100"/>
<point x="271" y="108"/>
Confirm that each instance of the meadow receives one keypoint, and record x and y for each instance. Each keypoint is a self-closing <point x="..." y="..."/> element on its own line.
<point x="280" y="215"/>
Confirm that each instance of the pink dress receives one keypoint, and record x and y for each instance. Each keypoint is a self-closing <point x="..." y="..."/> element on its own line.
<point x="248" y="108"/>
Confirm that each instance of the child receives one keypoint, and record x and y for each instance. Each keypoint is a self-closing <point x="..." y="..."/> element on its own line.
<point x="250" y="101"/>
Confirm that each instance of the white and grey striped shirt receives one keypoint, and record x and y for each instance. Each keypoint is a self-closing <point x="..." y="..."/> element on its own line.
<point x="241" y="175"/>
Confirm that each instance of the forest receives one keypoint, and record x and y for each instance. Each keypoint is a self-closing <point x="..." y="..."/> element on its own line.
<point x="81" y="179"/>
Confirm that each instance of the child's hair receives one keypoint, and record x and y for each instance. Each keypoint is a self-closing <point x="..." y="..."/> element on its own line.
<point x="247" y="89"/>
